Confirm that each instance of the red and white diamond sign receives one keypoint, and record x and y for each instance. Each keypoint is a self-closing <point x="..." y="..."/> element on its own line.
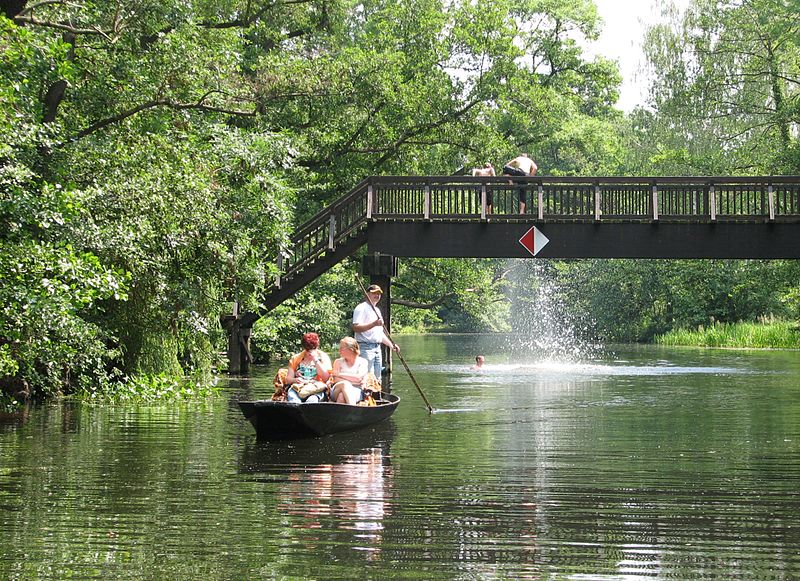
<point x="533" y="240"/>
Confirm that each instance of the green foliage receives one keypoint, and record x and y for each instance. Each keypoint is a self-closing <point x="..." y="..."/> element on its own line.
<point x="725" y="90"/>
<point x="150" y="388"/>
<point x="767" y="334"/>
<point x="635" y="300"/>
<point x="132" y="208"/>
<point x="324" y="307"/>
<point x="49" y="280"/>
<point x="278" y="334"/>
<point x="450" y="294"/>
<point x="155" y="159"/>
<point x="46" y="339"/>
<point x="9" y="404"/>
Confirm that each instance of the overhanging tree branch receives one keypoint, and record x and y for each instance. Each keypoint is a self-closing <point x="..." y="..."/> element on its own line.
<point x="28" y="8"/>
<point x="413" y="132"/>
<point x="416" y="305"/>
<point x="152" y="104"/>
<point x="25" y="16"/>
<point x="249" y="18"/>
<point x="59" y="26"/>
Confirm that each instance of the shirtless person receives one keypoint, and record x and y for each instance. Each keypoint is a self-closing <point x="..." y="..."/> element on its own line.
<point x="521" y="166"/>
<point x="488" y="171"/>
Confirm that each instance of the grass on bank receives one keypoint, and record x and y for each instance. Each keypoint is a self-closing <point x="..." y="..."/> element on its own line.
<point x="152" y="389"/>
<point x="766" y="335"/>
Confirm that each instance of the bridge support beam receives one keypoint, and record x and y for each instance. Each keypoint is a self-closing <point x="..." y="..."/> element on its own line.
<point x="239" y="327"/>
<point x="380" y="268"/>
<point x="453" y="239"/>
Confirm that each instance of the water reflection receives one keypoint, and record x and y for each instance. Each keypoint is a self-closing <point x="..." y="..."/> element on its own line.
<point x="12" y="420"/>
<point x="343" y="482"/>
<point x="663" y="463"/>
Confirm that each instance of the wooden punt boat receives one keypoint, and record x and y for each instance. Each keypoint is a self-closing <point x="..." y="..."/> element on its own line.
<point x="280" y="420"/>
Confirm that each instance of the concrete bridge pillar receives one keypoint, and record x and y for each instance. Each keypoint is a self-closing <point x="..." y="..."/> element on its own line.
<point x="380" y="268"/>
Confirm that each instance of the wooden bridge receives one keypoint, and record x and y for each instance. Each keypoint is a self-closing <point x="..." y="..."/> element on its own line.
<point x="569" y="217"/>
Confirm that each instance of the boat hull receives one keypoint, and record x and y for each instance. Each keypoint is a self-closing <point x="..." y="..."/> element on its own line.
<point x="287" y="420"/>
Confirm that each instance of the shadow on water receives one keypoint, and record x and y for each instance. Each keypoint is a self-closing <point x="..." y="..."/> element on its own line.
<point x="276" y="457"/>
<point x="15" y="419"/>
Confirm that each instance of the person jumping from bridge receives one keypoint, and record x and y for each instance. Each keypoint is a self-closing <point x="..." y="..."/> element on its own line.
<point x="521" y="166"/>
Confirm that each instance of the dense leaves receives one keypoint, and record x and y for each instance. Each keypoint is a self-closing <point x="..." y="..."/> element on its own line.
<point x="629" y="300"/>
<point x="725" y="89"/>
<point x="135" y="206"/>
<point x="154" y="156"/>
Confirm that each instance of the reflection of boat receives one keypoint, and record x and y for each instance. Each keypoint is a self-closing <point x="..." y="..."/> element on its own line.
<point x="342" y="481"/>
<point x="263" y="456"/>
<point x="285" y="420"/>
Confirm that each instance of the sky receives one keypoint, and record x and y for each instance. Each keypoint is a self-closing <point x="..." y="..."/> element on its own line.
<point x="624" y="22"/>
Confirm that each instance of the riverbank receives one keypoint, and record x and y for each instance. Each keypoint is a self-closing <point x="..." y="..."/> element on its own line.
<point x="769" y="335"/>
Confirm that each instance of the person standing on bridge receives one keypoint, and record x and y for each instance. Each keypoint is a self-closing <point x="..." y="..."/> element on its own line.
<point x="487" y="171"/>
<point x="521" y="166"/>
<point x="368" y="328"/>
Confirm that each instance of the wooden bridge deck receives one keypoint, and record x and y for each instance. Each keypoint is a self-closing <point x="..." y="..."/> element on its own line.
<point x="647" y="217"/>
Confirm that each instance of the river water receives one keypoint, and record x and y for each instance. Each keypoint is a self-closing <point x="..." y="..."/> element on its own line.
<point x="639" y="462"/>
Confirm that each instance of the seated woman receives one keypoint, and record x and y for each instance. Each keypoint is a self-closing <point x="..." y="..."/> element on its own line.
<point x="349" y="372"/>
<point x="309" y="370"/>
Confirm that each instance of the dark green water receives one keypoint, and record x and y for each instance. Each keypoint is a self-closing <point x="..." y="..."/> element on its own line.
<point x="642" y="463"/>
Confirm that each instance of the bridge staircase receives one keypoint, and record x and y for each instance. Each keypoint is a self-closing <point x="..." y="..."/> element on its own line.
<point x="325" y="240"/>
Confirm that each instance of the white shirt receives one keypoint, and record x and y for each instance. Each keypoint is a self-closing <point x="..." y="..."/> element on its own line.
<point x="363" y="314"/>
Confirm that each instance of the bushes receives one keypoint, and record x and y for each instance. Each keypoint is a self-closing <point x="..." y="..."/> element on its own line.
<point x="636" y="300"/>
<point x="120" y="242"/>
<point x="150" y="388"/>
<point x="325" y="307"/>
<point x="47" y="345"/>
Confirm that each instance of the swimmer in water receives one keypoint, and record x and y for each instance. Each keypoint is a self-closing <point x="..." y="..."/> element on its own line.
<point x="479" y="361"/>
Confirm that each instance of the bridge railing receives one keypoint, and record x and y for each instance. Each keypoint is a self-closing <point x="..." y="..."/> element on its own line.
<point x="582" y="198"/>
<point x="635" y="199"/>
<point x="324" y="232"/>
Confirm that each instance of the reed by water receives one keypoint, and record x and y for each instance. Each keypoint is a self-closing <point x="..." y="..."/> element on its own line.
<point x="770" y="334"/>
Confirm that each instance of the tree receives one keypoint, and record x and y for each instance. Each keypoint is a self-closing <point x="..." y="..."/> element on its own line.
<point x="726" y="84"/>
<point x="181" y="133"/>
<point x="132" y="117"/>
<point x="48" y="283"/>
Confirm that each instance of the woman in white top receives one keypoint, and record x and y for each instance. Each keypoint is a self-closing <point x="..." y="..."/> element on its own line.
<point x="349" y="372"/>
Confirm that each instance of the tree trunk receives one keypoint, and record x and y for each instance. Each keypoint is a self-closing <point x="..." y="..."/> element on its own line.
<point x="12" y="8"/>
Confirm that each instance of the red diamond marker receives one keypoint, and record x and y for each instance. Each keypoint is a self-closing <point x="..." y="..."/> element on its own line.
<point x="534" y="241"/>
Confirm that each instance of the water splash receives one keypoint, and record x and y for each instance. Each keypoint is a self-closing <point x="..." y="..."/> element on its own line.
<point x="545" y="329"/>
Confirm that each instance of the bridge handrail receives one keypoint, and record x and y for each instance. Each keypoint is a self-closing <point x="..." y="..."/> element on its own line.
<point x="378" y="180"/>
<point x="323" y="231"/>
<point x="322" y="215"/>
